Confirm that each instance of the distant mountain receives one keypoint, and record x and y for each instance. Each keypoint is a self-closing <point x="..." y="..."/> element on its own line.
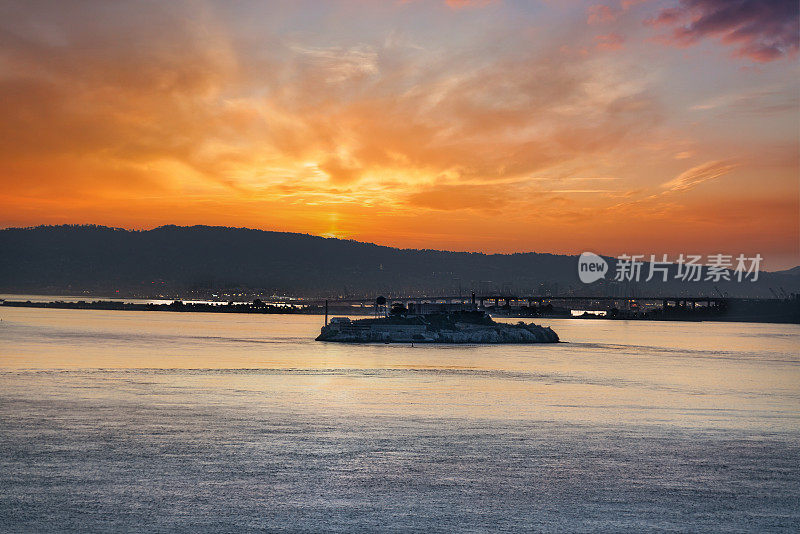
<point x="202" y="260"/>
<point x="794" y="271"/>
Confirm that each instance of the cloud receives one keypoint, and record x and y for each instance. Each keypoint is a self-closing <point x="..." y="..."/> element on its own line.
<point x="338" y="64"/>
<point x="699" y="174"/>
<point x="600" y="14"/>
<point x="611" y="41"/>
<point x="95" y="94"/>
<point x="606" y="14"/>
<point x="339" y="171"/>
<point x="277" y="116"/>
<point x="770" y="99"/>
<point x="461" y="4"/>
<point x="489" y="198"/>
<point x="112" y="101"/>
<point x="761" y="30"/>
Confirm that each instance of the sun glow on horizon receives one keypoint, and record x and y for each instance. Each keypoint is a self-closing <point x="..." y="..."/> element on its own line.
<point x="491" y="126"/>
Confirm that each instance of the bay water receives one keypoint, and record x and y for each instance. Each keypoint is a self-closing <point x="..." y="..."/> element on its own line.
<point x="214" y="422"/>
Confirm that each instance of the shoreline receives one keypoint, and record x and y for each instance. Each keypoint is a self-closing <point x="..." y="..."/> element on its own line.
<point x="270" y="309"/>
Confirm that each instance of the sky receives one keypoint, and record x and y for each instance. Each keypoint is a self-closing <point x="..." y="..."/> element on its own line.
<point x="612" y="126"/>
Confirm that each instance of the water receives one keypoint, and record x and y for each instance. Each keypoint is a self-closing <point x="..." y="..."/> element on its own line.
<point x="190" y="422"/>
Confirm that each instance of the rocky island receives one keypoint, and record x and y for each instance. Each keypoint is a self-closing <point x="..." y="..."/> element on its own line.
<point x="453" y="327"/>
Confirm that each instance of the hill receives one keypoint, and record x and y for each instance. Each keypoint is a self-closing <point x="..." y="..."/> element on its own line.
<point x="173" y="260"/>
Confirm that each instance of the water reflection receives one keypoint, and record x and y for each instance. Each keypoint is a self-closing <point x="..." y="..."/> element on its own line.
<point x="218" y="422"/>
<point x="606" y="371"/>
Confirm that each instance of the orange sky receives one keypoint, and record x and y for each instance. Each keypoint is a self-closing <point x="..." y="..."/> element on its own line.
<point x="617" y="127"/>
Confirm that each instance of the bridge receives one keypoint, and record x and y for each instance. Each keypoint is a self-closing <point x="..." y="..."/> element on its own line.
<point x="514" y="301"/>
<point x="652" y="306"/>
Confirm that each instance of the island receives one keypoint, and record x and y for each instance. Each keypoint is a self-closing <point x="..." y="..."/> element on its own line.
<point x="454" y="327"/>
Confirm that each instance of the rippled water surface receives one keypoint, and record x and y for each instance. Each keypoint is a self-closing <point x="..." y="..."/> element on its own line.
<point x="191" y="422"/>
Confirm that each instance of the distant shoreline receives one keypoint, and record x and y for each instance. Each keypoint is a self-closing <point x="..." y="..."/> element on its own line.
<point x="175" y="306"/>
<point x="272" y="309"/>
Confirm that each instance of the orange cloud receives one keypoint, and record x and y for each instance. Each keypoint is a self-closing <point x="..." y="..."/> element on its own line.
<point x="120" y="115"/>
<point x="697" y="175"/>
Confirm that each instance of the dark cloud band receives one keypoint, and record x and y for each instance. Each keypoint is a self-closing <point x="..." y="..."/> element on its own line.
<point x="762" y="30"/>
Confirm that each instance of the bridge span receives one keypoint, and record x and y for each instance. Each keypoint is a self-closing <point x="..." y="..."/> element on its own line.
<point x="497" y="301"/>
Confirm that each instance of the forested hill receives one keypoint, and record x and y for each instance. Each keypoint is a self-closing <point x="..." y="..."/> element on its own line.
<point x="175" y="260"/>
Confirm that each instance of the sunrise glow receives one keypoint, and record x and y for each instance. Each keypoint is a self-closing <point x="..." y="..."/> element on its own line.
<point x="499" y="126"/>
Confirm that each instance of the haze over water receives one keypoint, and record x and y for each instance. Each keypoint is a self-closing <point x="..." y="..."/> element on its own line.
<point x="222" y="422"/>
